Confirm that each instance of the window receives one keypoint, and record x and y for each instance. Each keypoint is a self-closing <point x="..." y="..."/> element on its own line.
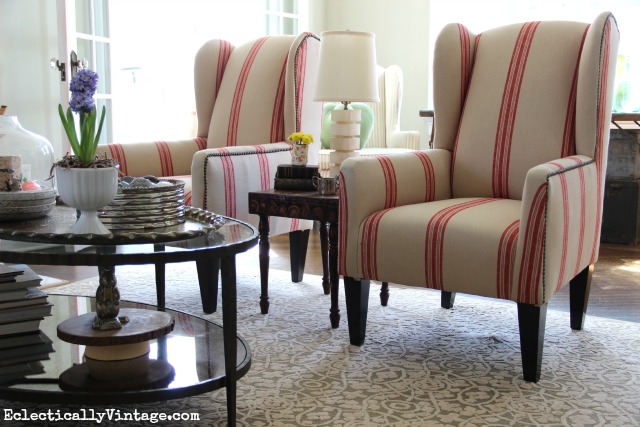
<point x="93" y="44"/>
<point x="476" y="16"/>
<point x="285" y="16"/>
<point x="153" y="45"/>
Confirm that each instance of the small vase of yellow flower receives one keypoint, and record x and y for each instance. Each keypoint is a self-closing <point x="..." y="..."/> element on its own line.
<point x="300" y="151"/>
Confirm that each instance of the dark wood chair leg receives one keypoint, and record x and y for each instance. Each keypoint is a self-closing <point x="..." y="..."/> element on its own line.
<point x="324" y="252"/>
<point x="384" y="294"/>
<point x="298" y="242"/>
<point x="334" y="277"/>
<point x="356" y="295"/>
<point x="579" y="289"/>
<point x="208" y="280"/>
<point x="447" y="299"/>
<point x="531" y="322"/>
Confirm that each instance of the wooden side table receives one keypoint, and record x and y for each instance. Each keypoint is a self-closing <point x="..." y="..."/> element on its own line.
<point x="301" y="205"/>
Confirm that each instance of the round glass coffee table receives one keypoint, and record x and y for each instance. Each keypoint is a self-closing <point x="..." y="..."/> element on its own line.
<point x="210" y="240"/>
<point x="193" y="351"/>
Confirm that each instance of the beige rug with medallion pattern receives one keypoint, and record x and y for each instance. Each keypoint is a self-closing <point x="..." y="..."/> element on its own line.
<point x="420" y="366"/>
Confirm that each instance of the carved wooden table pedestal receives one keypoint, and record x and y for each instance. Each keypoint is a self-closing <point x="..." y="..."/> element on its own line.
<point x="301" y="205"/>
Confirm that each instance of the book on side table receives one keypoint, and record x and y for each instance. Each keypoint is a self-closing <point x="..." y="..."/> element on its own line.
<point x="295" y="178"/>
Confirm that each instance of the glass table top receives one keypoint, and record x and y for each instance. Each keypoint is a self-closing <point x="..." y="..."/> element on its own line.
<point x="47" y="241"/>
<point x="194" y="349"/>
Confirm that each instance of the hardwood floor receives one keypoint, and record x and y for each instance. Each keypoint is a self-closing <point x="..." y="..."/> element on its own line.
<point x="615" y="288"/>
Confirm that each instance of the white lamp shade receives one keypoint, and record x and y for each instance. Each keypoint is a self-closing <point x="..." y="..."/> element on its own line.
<point x="347" y="69"/>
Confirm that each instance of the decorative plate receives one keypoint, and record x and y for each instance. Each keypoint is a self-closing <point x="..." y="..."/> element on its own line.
<point x="21" y="205"/>
<point x="145" y="208"/>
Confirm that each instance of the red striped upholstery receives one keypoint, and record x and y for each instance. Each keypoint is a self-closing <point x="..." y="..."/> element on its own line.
<point x="168" y="159"/>
<point x="264" y="95"/>
<point x="509" y="202"/>
<point x="231" y="172"/>
<point x="256" y="93"/>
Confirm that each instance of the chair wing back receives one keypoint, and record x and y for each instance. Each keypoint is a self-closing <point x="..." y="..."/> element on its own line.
<point x="386" y="113"/>
<point x="379" y="133"/>
<point x="259" y="92"/>
<point x="209" y="65"/>
<point x="505" y="100"/>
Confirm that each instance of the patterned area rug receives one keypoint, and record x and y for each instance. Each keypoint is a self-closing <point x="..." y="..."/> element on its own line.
<point x="420" y="366"/>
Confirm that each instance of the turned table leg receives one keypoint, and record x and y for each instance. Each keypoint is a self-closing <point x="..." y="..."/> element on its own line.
<point x="263" y="229"/>
<point x="324" y="252"/>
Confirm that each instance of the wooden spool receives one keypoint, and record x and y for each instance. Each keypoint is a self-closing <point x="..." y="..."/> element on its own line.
<point x="118" y="355"/>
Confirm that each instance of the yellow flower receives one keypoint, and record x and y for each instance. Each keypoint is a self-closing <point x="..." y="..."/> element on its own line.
<point x="301" y="138"/>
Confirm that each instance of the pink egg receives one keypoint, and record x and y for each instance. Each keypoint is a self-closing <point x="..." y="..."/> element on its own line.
<point x="30" y="185"/>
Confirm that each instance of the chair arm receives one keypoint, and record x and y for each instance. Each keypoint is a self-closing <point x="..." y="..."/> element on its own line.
<point x="405" y="139"/>
<point x="158" y="158"/>
<point x="372" y="184"/>
<point x="559" y="227"/>
<point x="223" y="177"/>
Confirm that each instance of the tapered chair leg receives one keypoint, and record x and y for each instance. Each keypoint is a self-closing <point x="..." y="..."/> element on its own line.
<point x="298" y="242"/>
<point x="208" y="280"/>
<point x="447" y="299"/>
<point x="356" y="295"/>
<point x="579" y="288"/>
<point x="531" y="321"/>
<point x="384" y="294"/>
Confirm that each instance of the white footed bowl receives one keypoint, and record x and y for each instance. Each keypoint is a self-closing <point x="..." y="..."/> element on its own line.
<point x="87" y="190"/>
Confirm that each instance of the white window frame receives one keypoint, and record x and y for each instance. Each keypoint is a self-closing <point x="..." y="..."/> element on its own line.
<point x="70" y="37"/>
<point x="275" y="8"/>
<point x="68" y="42"/>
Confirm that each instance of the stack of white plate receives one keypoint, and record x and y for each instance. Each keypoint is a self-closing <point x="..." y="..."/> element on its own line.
<point x="19" y="205"/>
<point x="138" y="208"/>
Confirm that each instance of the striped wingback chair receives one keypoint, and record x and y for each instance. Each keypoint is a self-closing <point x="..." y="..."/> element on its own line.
<point x="508" y="204"/>
<point x="249" y="98"/>
<point x="386" y="113"/>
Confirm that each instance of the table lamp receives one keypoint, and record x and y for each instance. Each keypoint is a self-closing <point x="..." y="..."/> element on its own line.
<point x="347" y="73"/>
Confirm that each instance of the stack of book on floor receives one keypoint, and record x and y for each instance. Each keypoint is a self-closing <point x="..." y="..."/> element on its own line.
<point x="22" y="307"/>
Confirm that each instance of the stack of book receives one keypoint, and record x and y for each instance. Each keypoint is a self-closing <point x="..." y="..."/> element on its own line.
<point x="296" y="178"/>
<point x="22" y="307"/>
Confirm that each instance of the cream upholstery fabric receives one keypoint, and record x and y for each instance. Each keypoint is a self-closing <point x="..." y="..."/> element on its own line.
<point x="525" y="179"/>
<point x="229" y="173"/>
<point x="264" y="94"/>
<point x="386" y="113"/>
<point x="169" y="159"/>
<point x="508" y="204"/>
<point x="386" y="119"/>
<point x="253" y="96"/>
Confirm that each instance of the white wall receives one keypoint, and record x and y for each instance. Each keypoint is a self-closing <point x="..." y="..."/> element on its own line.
<point x="29" y="88"/>
<point x="28" y="39"/>
<point x="402" y="38"/>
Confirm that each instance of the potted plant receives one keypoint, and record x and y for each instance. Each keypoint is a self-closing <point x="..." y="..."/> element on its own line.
<point x="85" y="181"/>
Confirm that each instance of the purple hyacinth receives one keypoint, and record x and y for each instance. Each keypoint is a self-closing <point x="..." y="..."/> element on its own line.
<point x="83" y="86"/>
